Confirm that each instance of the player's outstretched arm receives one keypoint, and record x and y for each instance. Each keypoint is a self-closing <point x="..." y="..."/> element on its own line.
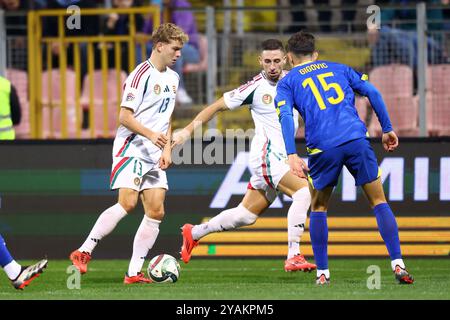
<point x="127" y="119"/>
<point x="359" y="83"/>
<point x="204" y="116"/>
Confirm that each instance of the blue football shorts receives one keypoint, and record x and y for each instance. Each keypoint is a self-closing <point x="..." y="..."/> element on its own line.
<point x="357" y="155"/>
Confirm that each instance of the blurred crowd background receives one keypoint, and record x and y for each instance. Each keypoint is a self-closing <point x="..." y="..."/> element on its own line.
<point x="72" y="87"/>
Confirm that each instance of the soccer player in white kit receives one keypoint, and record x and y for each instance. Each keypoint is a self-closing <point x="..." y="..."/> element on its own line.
<point x="267" y="161"/>
<point x="141" y="152"/>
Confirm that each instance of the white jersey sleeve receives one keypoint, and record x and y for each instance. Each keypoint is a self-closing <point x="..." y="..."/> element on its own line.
<point x="134" y="87"/>
<point x="242" y="95"/>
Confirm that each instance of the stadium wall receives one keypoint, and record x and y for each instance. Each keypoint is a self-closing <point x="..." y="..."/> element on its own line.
<point x="51" y="193"/>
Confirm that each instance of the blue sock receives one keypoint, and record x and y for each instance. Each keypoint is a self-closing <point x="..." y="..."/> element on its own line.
<point x="5" y="256"/>
<point x="388" y="229"/>
<point x="318" y="231"/>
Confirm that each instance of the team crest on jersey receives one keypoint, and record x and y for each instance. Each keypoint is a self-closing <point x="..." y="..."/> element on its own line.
<point x="174" y="88"/>
<point x="130" y="97"/>
<point x="157" y="89"/>
<point x="137" y="181"/>
<point x="267" y="98"/>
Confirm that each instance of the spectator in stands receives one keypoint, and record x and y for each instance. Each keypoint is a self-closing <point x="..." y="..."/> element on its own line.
<point x="190" y="52"/>
<point x="405" y="18"/>
<point x="10" y="112"/>
<point x="116" y="24"/>
<point x="389" y="45"/>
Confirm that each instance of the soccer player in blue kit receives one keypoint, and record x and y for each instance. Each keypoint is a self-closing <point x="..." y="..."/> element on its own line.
<point x="323" y="93"/>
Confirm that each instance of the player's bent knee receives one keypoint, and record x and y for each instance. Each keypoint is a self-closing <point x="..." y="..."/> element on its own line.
<point x="318" y="207"/>
<point x="248" y="220"/>
<point x="245" y="217"/>
<point x="375" y="202"/>
<point x="303" y="195"/>
<point x="156" y="214"/>
<point x="128" y="205"/>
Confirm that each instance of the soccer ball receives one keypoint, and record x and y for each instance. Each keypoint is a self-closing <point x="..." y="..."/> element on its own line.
<point x="163" y="268"/>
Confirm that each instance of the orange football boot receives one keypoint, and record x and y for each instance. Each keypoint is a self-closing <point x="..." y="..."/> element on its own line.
<point x="80" y="260"/>
<point x="298" y="263"/>
<point x="188" y="243"/>
<point x="139" y="278"/>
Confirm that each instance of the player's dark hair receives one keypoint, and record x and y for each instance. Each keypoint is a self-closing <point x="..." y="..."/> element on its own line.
<point x="272" y="44"/>
<point x="301" y="43"/>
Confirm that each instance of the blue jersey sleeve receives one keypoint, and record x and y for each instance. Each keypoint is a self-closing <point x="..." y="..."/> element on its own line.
<point x="284" y="104"/>
<point x="359" y="84"/>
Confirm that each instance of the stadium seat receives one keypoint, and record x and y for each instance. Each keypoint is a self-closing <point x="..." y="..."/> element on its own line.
<point x="403" y="112"/>
<point x="438" y="100"/>
<point x="395" y="82"/>
<point x="114" y="98"/>
<point x="438" y="78"/>
<point x="19" y="79"/>
<point x="51" y="104"/>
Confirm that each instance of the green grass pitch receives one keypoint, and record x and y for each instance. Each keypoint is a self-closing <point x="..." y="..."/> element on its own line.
<point x="242" y="279"/>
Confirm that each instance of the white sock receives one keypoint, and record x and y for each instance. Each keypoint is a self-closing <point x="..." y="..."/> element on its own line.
<point x="325" y="272"/>
<point x="12" y="269"/>
<point x="143" y="241"/>
<point x="226" y="220"/>
<point x="106" y="223"/>
<point x="296" y="220"/>
<point x="398" y="262"/>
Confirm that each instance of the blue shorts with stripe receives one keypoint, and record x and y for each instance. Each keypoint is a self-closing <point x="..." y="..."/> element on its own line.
<point x="357" y="155"/>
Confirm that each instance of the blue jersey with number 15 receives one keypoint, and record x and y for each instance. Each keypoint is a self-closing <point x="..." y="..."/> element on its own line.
<point x="323" y="93"/>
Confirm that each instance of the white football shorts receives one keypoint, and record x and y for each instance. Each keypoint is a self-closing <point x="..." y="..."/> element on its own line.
<point x="268" y="168"/>
<point x="137" y="174"/>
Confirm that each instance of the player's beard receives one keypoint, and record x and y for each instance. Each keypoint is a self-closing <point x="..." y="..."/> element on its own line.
<point x="274" y="78"/>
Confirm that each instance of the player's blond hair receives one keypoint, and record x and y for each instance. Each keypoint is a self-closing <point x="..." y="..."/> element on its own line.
<point x="167" y="32"/>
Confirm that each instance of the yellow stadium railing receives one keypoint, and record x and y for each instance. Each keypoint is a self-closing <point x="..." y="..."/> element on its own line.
<point x="37" y="42"/>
